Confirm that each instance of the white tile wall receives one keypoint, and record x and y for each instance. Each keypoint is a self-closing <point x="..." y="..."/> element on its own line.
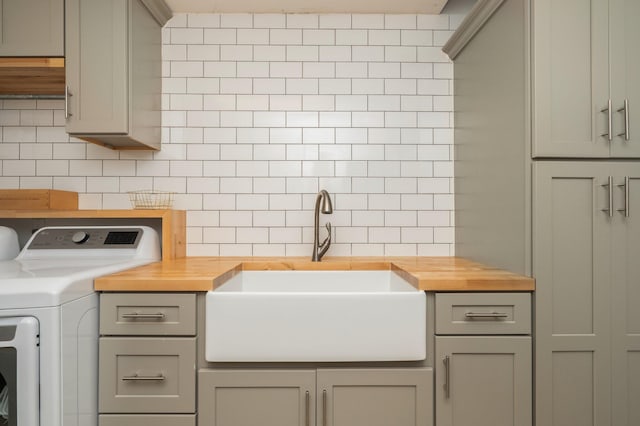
<point x="262" y="111"/>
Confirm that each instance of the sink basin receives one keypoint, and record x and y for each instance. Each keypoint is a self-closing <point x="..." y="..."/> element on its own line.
<point x="314" y="316"/>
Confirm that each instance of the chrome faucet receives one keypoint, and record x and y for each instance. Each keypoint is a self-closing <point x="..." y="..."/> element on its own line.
<point x="327" y="208"/>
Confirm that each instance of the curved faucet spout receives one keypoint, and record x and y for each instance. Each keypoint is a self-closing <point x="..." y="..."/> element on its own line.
<point x="322" y="199"/>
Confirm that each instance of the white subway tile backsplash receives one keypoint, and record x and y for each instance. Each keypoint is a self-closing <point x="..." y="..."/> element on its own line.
<point x="299" y="20"/>
<point x="270" y="218"/>
<point x="269" y="185"/>
<point x="260" y="112"/>
<point x="195" y="20"/>
<point x="252" y="135"/>
<point x="219" y="168"/>
<point x="203" y="185"/>
<point x="28" y="167"/>
<point x="318" y="37"/>
<point x="318" y="136"/>
<point x="252" y="102"/>
<point x="367" y="21"/>
<point x="367" y="53"/>
<point x="236" y="20"/>
<point x="252" y="202"/>
<point x="335" y="119"/>
<point x="384" y="38"/>
<point x="285" y="36"/>
<point x="318" y="70"/>
<point x="236" y="152"/>
<point x="34" y="182"/>
<point x="287" y="136"/>
<point x="334" y="53"/>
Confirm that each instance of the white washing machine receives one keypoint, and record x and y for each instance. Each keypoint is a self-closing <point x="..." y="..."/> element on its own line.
<point x="49" y="320"/>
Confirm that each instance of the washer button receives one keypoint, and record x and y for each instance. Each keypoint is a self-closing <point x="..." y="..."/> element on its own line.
<point x="80" y="237"/>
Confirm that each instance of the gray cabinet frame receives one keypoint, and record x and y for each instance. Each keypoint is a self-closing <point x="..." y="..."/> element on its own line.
<point x="32" y="28"/>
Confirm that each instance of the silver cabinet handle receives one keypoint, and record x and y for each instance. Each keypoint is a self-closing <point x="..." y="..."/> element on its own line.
<point x="609" y="133"/>
<point x="625" y="108"/>
<point x="136" y="378"/>
<point x="625" y="185"/>
<point x="137" y="315"/>
<point x="472" y="315"/>
<point x="324" y="407"/>
<point x="67" y="95"/>
<point x="447" y="376"/>
<point x="609" y="185"/>
<point x="307" y="400"/>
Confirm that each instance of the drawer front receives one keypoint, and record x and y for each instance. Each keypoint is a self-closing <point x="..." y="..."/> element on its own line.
<point x="168" y="314"/>
<point x="147" y="420"/>
<point x="483" y="313"/>
<point x="147" y="375"/>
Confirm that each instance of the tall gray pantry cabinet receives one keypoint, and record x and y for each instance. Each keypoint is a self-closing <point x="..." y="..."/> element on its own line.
<point x="547" y="183"/>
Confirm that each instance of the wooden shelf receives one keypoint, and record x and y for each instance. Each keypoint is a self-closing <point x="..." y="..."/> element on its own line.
<point x="173" y="223"/>
<point x="32" y="76"/>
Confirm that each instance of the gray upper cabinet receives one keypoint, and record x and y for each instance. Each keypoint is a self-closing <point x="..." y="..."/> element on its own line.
<point x="32" y="28"/>
<point x="585" y="90"/>
<point x="625" y="85"/>
<point x="113" y="72"/>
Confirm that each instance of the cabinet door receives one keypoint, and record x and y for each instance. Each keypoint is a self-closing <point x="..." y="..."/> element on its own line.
<point x="32" y="28"/>
<point x="96" y="66"/>
<point x="571" y="78"/>
<point x="625" y="85"/>
<point x="256" y="397"/>
<point x="375" y="397"/>
<point x="571" y="265"/>
<point x="483" y="381"/>
<point x="626" y="297"/>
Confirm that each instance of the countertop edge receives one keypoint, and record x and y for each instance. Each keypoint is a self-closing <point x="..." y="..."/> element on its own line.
<point x="199" y="274"/>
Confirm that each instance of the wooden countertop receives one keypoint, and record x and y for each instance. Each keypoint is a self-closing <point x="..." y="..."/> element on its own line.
<point x="207" y="273"/>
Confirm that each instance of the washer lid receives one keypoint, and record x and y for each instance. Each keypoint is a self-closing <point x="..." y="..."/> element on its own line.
<point x="42" y="283"/>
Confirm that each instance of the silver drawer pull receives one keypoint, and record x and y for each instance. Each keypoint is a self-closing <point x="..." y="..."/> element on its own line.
<point x="137" y="315"/>
<point x="136" y="378"/>
<point x="472" y="315"/>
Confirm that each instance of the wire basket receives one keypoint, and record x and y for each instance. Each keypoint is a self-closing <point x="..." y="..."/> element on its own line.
<point x="148" y="199"/>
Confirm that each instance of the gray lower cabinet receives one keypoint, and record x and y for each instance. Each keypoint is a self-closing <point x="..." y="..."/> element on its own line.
<point x="113" y="73"/>
<point x="586" y="252"/>
<point x="32" y="28"/>
<point x="147" y="357"/>
<point x="327" y="397"/>
<point x="483" y="359"/>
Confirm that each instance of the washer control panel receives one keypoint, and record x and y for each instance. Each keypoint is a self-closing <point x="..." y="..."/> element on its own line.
<point x="86" y="238"/>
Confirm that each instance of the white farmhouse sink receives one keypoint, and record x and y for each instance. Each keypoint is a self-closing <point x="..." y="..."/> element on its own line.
<point x="298" y="316"/>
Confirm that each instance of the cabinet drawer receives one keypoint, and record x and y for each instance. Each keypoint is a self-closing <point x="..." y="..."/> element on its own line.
<point x="147" y="375"/>
<point x="483" y="313"/>
<point x="147" y="420"/>
<point x="168" y="314"/>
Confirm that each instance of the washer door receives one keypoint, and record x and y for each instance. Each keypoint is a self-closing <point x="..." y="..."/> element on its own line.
<point x="19" y="372"/>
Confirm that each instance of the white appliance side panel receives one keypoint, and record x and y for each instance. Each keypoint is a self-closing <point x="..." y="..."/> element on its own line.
<point x="80" y="361"/>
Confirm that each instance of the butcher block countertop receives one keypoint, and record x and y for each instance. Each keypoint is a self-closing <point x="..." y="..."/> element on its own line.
<point x="207" y="273"/>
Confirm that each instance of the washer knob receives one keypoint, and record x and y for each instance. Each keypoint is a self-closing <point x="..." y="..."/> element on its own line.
<point x="80" y="237"/>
